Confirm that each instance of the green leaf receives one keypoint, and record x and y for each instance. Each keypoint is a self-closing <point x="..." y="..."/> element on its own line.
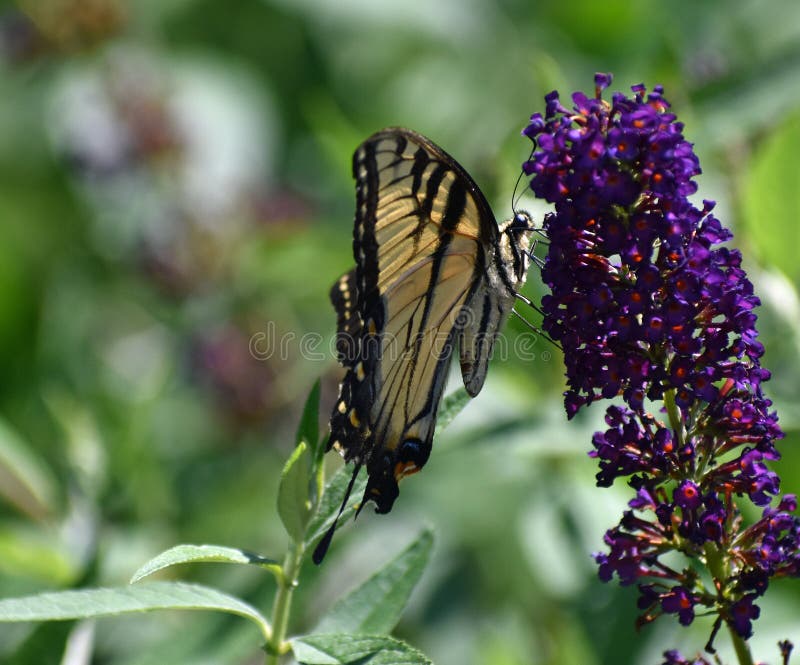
<point x="308" y="429"/>
<point x="341" y="648"/>
<point x="293" y="504"/>
<point x="26" y="480"/>
<point x="451" y="406"/>
<point x="375" y="607"/>
<point x="90" y="603"/>
<point x="331" y="500"/>
<point x="203" y="553"/>
<point x="771" y="198"/>
<point x="35" y="553"/>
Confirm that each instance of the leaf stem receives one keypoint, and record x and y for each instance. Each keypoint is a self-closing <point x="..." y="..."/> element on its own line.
<point x="287" y="582"/>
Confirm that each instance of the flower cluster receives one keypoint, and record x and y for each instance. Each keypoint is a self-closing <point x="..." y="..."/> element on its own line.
<point x="648" y="306"/>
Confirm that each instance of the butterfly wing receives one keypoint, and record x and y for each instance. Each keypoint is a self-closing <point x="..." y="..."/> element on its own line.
<point x="493" y="299"/>
<point x="423" y="236"/>
<point x="344" y="297"/>
<point x="431" y="265"/>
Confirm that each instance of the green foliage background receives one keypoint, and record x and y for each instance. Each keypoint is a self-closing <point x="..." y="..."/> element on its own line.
<point x="175" y="193"/>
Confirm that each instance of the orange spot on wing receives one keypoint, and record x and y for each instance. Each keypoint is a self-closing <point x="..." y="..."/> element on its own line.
<point x="403" y="469"/>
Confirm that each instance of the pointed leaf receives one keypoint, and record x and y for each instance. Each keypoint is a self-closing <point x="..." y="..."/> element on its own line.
<point x="88" y="603"/>
<point x="451" y="406"/>
<point x="375" y="607"/>
<point x="308" y="429"/>
<point x="341" y="648"/>
<point x="332" y="500"/>
<point x="203" y="553"/>
<point x="293" y="504"/>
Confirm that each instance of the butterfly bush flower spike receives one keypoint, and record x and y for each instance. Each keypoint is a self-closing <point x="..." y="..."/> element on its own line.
<point x="653" y="310"/>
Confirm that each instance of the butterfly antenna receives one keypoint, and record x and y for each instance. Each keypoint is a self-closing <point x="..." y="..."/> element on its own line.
<point x="514" y="198"/>
<point x="322" y="547"/>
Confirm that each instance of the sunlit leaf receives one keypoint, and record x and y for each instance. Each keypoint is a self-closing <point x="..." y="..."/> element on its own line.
<point x="332" y="500"/>
<point x="203" y="553"/>
<point x="293" y="504"/>
<point x="89" y="603"/>
<point x="308" y="430"/>
<point x="376" y="605"/>
<point x="341" y="648"/>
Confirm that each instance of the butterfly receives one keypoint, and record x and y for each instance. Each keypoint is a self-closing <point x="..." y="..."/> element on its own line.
<point x="433" y="270"/>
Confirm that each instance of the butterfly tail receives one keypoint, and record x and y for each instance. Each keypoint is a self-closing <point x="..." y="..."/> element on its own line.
<point x="322" y="547"/>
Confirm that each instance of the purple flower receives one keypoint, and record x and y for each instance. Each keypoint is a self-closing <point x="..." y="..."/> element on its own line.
<point x="743" y="611"/>
<point x="687" y="495"/>
<point x="649" y="307"/>
<point x="681" y="602"/>
<point x="674" y="658"/>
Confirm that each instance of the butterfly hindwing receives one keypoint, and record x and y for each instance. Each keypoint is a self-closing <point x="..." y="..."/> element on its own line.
<point x="482" y="321"/>
<point x="480" y="326"/>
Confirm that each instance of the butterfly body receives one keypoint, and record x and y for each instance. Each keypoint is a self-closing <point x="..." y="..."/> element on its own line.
<point x="433" y="271"/>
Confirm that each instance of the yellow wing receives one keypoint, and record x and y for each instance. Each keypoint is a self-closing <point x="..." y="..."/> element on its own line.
<point x="423" y="235"/>
<point x="430" y="266"/>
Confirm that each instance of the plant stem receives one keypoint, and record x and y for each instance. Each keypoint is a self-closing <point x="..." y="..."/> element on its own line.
<point x="675" y="420"/>
<point x="717" y="567"/>
<point x="741" y="646"/>
<point x="287" y="582"/>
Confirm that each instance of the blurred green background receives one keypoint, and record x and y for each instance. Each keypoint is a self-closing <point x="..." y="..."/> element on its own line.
<point x="175" y="202"/>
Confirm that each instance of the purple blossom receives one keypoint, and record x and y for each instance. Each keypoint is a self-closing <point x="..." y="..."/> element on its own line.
<point x="743" y="611"/>
<point x="650" y="308"/>
<point x="680" y="601"/>
<point x="786" y="648"/>
<point x="674" y="658"/>
<point x="687" y="495"/>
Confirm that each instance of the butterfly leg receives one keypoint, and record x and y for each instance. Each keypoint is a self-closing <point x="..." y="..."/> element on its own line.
<point x="528" y="302"/>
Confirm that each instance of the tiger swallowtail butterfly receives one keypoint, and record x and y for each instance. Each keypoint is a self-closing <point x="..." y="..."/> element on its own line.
<point x="433" y="269"/>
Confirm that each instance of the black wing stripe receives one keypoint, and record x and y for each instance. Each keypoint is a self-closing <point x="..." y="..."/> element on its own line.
<point x="431" y="191"/>
<point x="456" y="202"/>
<point x="431" y="405"/>
<point x="344" y="297"/>
<point x="441" y="350"/>
<point x="483" y="339"/>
